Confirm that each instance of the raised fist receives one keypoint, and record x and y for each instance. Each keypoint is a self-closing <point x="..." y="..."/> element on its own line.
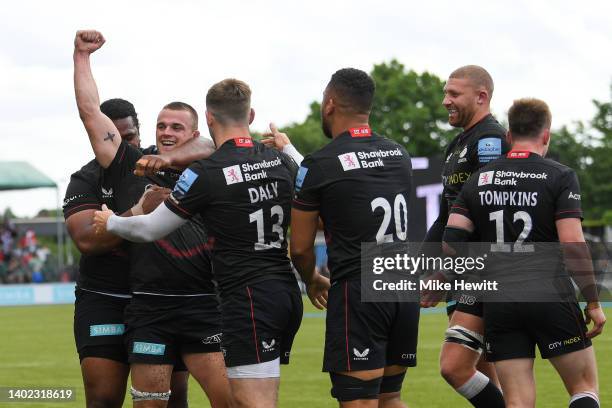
<point x="88" y="41"/>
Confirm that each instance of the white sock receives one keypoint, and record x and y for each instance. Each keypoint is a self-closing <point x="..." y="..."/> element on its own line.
<point x="474" y="385"/>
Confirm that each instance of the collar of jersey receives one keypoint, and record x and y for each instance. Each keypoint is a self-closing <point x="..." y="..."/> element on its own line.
<point x="465" y="133"/>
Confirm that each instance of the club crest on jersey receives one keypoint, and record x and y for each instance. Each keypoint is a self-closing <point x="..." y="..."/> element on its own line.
<point x="184" y="183"/>
<point x="485" y="178"/>
<point x="463" y="152"/>
<point x="232" y="174"/>
<point x="349" y="161"/>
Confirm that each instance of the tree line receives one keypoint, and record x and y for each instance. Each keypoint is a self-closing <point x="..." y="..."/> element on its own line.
<point x="408" y="109"/>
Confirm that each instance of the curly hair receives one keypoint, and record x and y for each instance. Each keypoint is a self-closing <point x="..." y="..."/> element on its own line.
<point x="118" y="108"/>
<point x="354" y="89"/>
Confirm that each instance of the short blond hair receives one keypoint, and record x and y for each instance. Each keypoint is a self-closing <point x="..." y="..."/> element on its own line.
<point x="229" y="101"/>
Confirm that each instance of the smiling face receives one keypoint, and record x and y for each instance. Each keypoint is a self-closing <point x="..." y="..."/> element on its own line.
<point x="174" y="128"/>
<point x="461" y="101"/>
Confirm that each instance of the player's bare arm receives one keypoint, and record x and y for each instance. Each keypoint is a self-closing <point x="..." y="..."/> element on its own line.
<point x="81" y="229"/>
<point x="580" y="266"/>
<point x="103" y="135"/>
<point x="178" y="158"/>
<point x="303" y="232"/>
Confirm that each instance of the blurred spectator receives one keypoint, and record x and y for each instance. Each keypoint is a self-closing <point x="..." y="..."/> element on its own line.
<point x="25" y="262"/>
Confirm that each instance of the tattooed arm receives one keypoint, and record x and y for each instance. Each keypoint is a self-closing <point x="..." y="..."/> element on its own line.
<point x="103" y="135"/>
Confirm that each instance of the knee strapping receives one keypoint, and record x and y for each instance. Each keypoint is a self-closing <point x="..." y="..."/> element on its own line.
<point x="147" y="396"/>
<point x="392" y="383"/>
<point x="465" y="337"/>
<point x="347" y="388"/>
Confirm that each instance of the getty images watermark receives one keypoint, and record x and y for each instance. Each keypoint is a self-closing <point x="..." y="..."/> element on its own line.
<point x="479" y="271"/>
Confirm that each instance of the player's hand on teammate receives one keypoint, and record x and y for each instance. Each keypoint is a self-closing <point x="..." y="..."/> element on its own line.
<point x="275" y="139"/>
<point x="150" y="163"/>
<point x="100" y="219"/>
<point x="88" y="41"/>
<point x="430" y="298"/>
<point x="153" y="197"/>
<point x="595" y="314"/>
<point x="317" y="290"/>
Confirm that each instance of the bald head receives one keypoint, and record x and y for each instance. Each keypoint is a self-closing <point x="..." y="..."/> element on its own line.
<point x="478" y="76"/>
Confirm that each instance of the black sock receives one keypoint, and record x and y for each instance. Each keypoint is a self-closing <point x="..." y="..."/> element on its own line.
<point x="489" y="397"/>
<point x="584" y="402"/>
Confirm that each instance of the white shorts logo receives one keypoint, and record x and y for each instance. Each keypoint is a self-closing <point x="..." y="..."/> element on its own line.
<point x="232" y="174"/>
<point x="349" y="161"/>
<point x="485" y="178"/>
<point x="361" y="355"/>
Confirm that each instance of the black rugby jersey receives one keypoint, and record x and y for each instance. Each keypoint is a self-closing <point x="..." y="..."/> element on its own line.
<point x="541" y="190"/>
<point x="243" y="191"/>
<point x="361" y="184"/>
<point x="468" y="152"/>
<point x="178" y="264"/>
<point x="109" y="273"/>
<point x="514" y="203"/>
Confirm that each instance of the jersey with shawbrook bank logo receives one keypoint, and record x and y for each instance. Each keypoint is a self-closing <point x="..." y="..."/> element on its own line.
<point x="243" y="192"/>
<point x="518" y="198"/>
<point x="361" y="184"/>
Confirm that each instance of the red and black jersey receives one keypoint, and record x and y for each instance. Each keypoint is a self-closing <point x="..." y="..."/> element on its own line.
<point x="178" y="264"/>
<point x="109" y="273"/>
<point x="361" y="184"/>
<point x="243" y="192"/>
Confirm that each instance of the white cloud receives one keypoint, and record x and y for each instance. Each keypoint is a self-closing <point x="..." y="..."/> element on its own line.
<point x="158" y="51"/>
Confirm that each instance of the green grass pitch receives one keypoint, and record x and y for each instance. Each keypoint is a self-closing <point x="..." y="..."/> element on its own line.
<point x="37" y="349"/>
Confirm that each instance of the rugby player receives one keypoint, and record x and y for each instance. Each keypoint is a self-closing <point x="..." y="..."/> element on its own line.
<point x="552" y="214"/>
<point x="467" y="97"/>
<point x="243" y="192"/>
<point x="367" y="345"/>
<point x="102" y="290"/>
<point x="174" y="308"/>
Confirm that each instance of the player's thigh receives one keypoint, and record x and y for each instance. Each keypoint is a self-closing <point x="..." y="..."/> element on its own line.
<point x="469" y="321"/>
<point x="210" y="372"/>
<point x="151" y="377"/>
<point x="517" y="381"/>
<point x="104" y="380"/>
<point x="578" y="370"/>
<point x="254" y="392"/>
